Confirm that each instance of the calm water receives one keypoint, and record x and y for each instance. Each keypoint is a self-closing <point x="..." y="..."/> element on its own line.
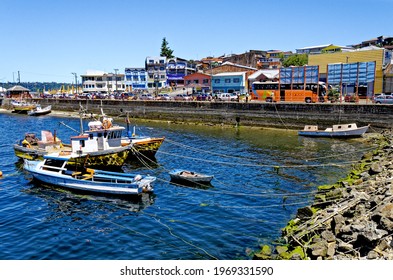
<point x="248" y="203"/>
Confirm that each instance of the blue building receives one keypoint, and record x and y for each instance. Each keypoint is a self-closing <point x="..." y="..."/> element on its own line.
<point x="229" y="82"/>
<point x="177" y="69"/>
<point x="135" y="79"/>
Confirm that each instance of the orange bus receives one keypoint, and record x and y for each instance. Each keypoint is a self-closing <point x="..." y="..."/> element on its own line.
<point x="275" y="92"/>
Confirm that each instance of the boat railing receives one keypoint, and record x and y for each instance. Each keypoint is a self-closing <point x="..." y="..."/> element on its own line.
<point x="112" y="179"/>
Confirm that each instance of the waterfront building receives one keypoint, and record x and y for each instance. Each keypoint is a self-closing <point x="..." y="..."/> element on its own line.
<point x="230" y="82"/>
<point x="135" y="79"/>
<point x="156" y="72"/>
<point x="101" y="82"/>
<point x="198" y="82"/>
<point x="177" y="69"/>
<point x="18" y="92"/>
<point x="381" y="56"/>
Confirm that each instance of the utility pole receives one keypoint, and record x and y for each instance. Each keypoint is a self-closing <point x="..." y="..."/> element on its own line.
<point x="116" y="78"/>
<point x="76" y="83"/>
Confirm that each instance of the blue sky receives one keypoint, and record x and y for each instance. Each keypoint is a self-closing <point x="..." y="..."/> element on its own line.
<point x="47" y="40"/>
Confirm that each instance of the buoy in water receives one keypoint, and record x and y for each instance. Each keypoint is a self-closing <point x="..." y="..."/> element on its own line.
<point x="1" y="173"/>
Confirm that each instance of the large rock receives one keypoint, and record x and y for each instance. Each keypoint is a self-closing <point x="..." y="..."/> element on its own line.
<point x="375" y="168"/>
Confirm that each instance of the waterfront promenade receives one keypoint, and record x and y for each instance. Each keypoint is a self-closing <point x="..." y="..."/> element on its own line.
<point x="259" y="114"/>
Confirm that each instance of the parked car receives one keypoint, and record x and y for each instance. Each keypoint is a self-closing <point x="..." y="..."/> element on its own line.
<point x="146" y="97"/>
<point x="182" y="97"/>
<point x="383" y="99"/>
<point x="128" y="96"/>
<point x="227" y="97"/>
<point x="203" y="97"/>
<point x="350" y="98"/>
<point x="163" y="96"/>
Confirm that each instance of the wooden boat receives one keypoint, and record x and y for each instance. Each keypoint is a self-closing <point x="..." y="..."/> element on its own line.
<point x="54" y="170"/>
<point x="190" y="176"/>
<point x="99" y="146"/>
<point x="336" y="131"/>
<point x="22" y="107"/>
<point x="39" y="111"/>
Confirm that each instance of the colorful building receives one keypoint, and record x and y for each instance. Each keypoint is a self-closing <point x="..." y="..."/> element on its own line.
<point x="156" y="72"/>
<point x="375" y="54"/>
<point x="230" y="82"/>
<point x="177" y="69"/>
<point x="198" y="82"/>
<point x="135" y="79"/>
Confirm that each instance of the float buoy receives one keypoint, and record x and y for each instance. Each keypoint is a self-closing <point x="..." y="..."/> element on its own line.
<point x="1" y="173"/>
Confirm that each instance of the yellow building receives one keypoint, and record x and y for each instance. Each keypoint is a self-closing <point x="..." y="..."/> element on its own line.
<point x="377" y="55"/>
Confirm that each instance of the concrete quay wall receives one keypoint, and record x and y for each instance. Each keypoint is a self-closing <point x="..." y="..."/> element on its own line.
<point x="280" y="115"/>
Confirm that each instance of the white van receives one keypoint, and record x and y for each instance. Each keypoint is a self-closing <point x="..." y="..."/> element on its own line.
<point x="227" y="97"/>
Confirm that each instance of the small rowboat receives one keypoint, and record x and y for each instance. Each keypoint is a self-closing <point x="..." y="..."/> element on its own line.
<point x="190" y="176"/>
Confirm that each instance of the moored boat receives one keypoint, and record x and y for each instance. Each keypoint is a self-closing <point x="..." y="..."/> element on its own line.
<point x="55" y="170"/>
<point x="190" y="176"/>
<point x="99" y="146"/>
<point x="39" y="111"/>
<point x="336" y="131"/>
<point x="22" y="107"/>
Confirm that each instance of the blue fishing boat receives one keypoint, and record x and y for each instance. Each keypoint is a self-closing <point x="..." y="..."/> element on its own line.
<point x="54" y="170"/>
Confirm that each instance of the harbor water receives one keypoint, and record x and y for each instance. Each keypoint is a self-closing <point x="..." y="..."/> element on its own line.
<point x="261" y="178"/>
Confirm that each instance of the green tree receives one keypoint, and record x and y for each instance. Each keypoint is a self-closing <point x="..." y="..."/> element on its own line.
<point x="295" y="60"/>
<point x="165" y="50"/>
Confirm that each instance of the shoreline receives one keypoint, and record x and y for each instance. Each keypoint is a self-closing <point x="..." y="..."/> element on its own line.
<point x="349" y="220"/>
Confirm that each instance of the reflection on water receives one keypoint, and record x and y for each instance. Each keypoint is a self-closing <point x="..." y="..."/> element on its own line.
<point x="261" y="178"/>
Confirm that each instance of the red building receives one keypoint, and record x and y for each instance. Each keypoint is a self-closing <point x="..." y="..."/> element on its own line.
<point x="198" y="82"/>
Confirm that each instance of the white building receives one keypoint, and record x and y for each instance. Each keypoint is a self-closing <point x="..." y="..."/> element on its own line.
<point x="101" y="82"/>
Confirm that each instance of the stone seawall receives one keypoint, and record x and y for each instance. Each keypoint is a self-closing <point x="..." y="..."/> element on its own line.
<point x="280" y="115"/>
<point x="351" y="219"/>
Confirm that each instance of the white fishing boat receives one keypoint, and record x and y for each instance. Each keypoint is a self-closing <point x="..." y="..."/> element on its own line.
<point x="54" y="170"/>
<point x="100" y="146"/>
<point x="39" y="111"/>
<point x="336" y="131"/>
<point x="190" y="176"/>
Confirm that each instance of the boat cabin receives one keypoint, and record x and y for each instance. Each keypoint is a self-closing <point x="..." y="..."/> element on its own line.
<point x="100" y="136"/>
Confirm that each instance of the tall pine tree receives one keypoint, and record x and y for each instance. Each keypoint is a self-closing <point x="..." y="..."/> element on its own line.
<point x="165" y="50"/>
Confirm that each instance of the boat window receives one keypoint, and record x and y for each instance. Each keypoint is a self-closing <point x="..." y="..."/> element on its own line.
<point x="54" y="162"/>
<point x="82" y="143"/>
<point x="91" y="135"/>
<point x="105" y="134"/>
<point x="99" y="134"/>
<point x="339" y="126"/>
<point x="349" y="126"/>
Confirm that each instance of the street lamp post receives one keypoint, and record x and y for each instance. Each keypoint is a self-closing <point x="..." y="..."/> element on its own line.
<point x="156" y="80"/>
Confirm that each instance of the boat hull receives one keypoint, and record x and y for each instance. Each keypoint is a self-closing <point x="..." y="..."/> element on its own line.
<point x="145" y="146"/>
<point x="193" y="177"/>
<point x="91" y="186"/>
<point x="335" y="134"/>
<point x="40" y="112"/>
<point x="108" y="159"/>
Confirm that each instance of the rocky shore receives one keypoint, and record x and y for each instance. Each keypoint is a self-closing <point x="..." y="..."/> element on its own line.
<point x="351" y="219"/>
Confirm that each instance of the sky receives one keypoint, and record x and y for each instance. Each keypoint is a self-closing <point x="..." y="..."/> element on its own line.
<point x="47" y="40"/>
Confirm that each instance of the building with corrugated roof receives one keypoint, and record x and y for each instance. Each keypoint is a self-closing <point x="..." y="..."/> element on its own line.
<point x="375" y="54"/>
